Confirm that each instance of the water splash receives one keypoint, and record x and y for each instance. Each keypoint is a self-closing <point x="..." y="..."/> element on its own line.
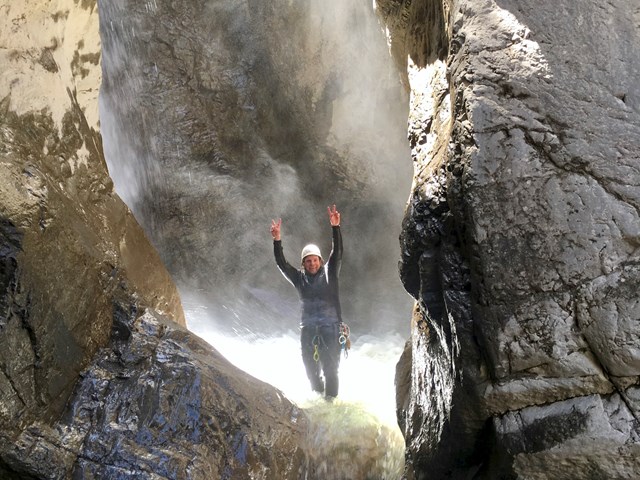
<point x="356" y="436"/>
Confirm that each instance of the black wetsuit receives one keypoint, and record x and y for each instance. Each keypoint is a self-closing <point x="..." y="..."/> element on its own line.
<point x="321" y="315"/>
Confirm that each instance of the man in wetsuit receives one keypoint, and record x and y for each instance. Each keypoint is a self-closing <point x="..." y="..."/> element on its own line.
<point x="317" y="286"/>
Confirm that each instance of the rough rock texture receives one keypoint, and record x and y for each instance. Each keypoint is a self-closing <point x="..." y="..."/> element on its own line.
<point x="77" y="274"/>
<point x="221" y="115"/>
<point x="160" y="403"/>
<point x="520" y="243"/>
<point x="67" y="242"/>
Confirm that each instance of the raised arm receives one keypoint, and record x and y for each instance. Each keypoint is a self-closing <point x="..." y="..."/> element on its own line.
<point x="335" y="258"/>
<point x="290" y="272"/>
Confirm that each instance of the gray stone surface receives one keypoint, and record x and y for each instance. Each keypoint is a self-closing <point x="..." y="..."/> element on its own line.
<point x="585" y="437"/>
<point x="520" y="242"/>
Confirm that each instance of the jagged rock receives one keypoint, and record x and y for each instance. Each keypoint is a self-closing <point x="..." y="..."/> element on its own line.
<point x="161" y="403"/>
<point x="520" y="241"/>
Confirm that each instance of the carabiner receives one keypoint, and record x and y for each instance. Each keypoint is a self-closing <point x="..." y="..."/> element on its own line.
<point x="316" y="353"/>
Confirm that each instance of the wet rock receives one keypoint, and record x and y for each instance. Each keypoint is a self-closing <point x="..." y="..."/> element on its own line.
<point x="346" y="442"/>
<point x="68" y="245"/>
<point x="162" y="403"/>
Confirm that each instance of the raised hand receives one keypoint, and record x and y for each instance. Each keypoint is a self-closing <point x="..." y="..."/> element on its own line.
<point x="334" y="216"/>
<point x="275" y="228"/>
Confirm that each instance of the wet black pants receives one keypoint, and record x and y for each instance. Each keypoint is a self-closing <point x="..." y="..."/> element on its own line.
<point x="324" y="341"/>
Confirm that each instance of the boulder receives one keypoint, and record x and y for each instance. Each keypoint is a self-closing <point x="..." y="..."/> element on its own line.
<point x="161" y="403"/>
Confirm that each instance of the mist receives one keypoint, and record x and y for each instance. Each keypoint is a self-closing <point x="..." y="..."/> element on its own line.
<point x="218" y="118"/>
<point x="317" y="116"/>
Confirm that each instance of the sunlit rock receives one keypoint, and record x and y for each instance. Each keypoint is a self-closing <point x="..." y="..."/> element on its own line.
<point x="68" y="245"/>
<point x="344" y="441"/>
<point x="520" y="241"/>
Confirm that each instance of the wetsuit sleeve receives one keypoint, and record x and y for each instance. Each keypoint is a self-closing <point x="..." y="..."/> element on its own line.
<point x="335" y="258"/>
<point x="285" y="267"/>
<point x="333" y="268"/>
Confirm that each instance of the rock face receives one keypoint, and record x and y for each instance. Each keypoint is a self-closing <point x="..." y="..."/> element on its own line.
<point x="161" y="403"/>
<point x="520" y="243"/>
<point x="68" y="243"/>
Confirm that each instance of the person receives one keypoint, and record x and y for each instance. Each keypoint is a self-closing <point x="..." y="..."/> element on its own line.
<point x="317" y="286"/>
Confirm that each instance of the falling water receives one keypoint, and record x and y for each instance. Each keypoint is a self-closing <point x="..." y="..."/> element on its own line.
<point x="206" y="204"/>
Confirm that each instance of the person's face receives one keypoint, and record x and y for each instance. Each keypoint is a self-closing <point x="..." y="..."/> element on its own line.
<point x="312" y="264"/>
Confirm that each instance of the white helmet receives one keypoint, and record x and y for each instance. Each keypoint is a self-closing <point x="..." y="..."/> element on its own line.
<point x="310" y="249"/>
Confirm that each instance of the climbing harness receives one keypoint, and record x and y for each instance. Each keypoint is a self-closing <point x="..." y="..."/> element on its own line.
<point x="344" y="340"/>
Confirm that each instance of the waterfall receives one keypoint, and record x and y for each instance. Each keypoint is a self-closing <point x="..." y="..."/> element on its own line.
<point x="217" y="117"/>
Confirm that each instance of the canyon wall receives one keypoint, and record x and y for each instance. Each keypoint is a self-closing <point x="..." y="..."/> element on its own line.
<point x="98" y="377"/>
<point x="520" y="242"/>
<point x="70" y="245"/>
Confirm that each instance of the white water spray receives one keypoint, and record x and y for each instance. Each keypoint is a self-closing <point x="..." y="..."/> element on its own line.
<point x="357" y="433"/>
<point x="191" y="185"/>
